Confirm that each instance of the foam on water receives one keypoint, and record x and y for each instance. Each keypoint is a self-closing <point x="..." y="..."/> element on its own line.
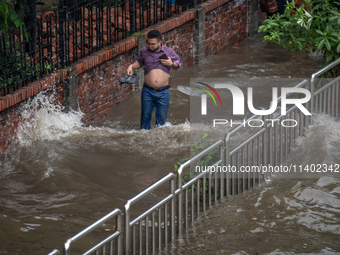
<point x="323" y="134"/>
<point x="47" y="135"/>
<point x="44" y="120"/>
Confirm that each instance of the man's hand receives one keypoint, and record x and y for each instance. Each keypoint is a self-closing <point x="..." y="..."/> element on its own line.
<point x="166" y="62"/>
<point x="134" y="65"/>
<point x="129" y="70"/>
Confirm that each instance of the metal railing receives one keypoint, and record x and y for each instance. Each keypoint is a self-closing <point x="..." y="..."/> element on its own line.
<point x="54" y="252"/>
<point x="101" y="245"/>
<point x="194" y="186"/>
<point x="270" y="144"/>
<point x="145" y="216"/>
<point x="57" y="39"/>
<point x="262" y="148"/>
<point x="326" y="99"/>
<point x="327" y="93"/>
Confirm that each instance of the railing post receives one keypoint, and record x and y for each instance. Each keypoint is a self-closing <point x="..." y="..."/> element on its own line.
<point x="179" y="187"/>
<point x="312" y="80"/>
<point x="31" y="24"/>
<point x="62" y="55"/>
<point x="270" y="142"/>
<point x="132" y="9"/>
<point x="140" y="72"/>
<point x="70" y="91"/>
<point x="253" y="17"/>
<point x="119" y="238"/>
<point x="172" y="191"/>
<point x="199" y="35"/>
<point x="221" y="172"/>
<point x="264" y="148"/>
<point x="67" y="247"/>
<point x="127" y="228"/>
<point x="226" y="162"/>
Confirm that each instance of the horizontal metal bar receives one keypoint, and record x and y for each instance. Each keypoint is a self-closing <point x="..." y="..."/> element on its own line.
<point x="192" y="181"/>
<point x="283" y="116"/>
<point x="154" y="208"/>
<point x="240" y="146"/>
<point x="206" y="150"/>
<point x="54" y="252"/>
<point x="215" y="145"/>
<point x="91" y="227"/>
<point x="102" y="243"/>
<point x="201" y="175"/>
<point x="326" y="68"/>
<point x="228" y="135"/>
<point x="240" y="125"/>
<point x="178" y="191"/>
<point x="326" y="86"/>
<point x="299" y="85"/>
<point x="150" y="189"/>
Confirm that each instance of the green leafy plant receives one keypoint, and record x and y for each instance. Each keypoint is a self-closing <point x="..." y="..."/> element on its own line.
<point x="137" y="34"/>
<point x="313" y="27"/>
<point x="199" y="146"/>
<point x="19" y="67"/>
<point x="207" y="160"/>
<point x="12" y="14"/>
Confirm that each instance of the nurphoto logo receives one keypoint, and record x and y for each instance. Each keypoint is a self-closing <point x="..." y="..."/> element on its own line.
<point x="238" y="101"/>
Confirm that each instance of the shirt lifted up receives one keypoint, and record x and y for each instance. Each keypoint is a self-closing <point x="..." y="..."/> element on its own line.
<point x="149" y="60"/>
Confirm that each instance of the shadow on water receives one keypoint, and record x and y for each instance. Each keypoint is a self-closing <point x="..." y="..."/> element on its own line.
<point x="61" y="176"/>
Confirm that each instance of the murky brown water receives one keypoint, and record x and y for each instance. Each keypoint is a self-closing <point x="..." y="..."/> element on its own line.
<point x="282" y="216"/>
<point x="60" y="177"/>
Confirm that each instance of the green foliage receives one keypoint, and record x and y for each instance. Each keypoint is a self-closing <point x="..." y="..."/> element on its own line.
<point x="19" y="68"/>
<point x="207" y="160"/>
<point x="137" y="34"/>
<point x="12" y="13"/>
<point x="317" y="29"/>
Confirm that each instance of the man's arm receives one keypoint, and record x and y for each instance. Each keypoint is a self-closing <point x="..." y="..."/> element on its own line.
<point x="176" y="60"/>
<point x="175" y="65"/>
<point x="130" y="68"/>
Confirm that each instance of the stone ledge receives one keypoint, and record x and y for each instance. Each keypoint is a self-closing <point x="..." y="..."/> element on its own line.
<point x="211" y="5"/>
<point x="32" y="89"/>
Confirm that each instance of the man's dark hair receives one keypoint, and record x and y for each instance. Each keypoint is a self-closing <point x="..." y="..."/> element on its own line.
<point x="155" y="34"/>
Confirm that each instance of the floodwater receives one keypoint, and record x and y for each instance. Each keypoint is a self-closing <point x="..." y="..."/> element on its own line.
<point x="283" y="216"/>
<point x="62" y="176"/>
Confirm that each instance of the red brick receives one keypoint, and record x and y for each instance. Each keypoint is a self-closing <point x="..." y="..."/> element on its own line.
<point x="2" y="105"/>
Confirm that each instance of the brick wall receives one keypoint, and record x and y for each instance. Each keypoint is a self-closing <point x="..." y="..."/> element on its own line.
<point x="181" y="40"/>
<point x="262" y="17"/>
<point x="97" y="88"/>
<point x="227" y="24"/>
<point x="9" y="121"/>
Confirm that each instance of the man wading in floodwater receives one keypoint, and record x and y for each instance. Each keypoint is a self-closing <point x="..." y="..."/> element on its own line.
<point x="157" y="60"/>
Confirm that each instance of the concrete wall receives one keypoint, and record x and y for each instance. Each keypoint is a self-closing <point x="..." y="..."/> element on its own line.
<point x="92" y="83"/>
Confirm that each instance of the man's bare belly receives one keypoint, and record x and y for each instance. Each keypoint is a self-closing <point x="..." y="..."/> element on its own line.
<point x="157" y="78"/>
